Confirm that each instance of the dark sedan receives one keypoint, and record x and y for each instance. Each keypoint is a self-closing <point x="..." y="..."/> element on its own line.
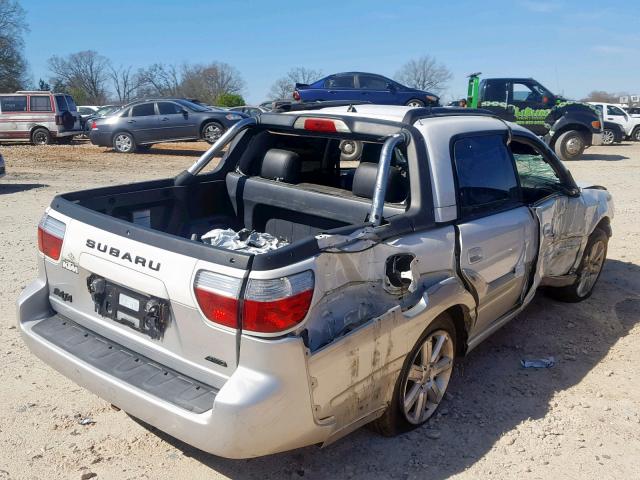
<point x="143" y="123"/>
<point x="360" y="86"/>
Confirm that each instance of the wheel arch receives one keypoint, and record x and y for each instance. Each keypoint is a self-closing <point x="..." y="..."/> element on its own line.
<point x="605" y="225"/>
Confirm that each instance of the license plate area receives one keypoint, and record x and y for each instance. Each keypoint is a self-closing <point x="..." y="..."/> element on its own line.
<point x="143" y="313"/>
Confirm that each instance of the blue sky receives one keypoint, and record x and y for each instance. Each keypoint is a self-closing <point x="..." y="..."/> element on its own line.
<point x="571" y="46"/>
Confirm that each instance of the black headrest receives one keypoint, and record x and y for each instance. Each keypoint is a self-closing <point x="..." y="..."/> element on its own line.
<point x="281" y="165"/>
<point x="364" y="182"/>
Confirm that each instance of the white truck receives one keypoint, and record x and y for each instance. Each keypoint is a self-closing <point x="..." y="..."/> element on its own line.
<point x="613" y="113"/>
<point x="285" y="297"/>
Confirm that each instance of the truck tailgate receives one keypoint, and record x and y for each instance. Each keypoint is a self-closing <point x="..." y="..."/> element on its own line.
<point x="136" y="278"/>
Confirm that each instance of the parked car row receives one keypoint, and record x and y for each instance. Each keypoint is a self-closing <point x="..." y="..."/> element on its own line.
<point x="140" y="124"/>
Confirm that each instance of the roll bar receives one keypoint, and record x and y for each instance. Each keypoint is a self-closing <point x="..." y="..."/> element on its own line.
<point x="380" y="190"/>
<point x="217" y="147"/>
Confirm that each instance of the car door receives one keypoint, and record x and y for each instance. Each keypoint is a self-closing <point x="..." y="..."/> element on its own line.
<point x="494" y="228"/>
<point x="143" y="123"/>
<point x="617" y="115"/>
<point x="375" y="89"/>
<point x="340" y="87"/>
<point x="174" y="122"/>
<point x="532" y="103"/>
<point x="562" y="218"/>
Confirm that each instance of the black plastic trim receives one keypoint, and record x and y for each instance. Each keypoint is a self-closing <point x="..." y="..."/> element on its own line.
<point x="126" y="365"/>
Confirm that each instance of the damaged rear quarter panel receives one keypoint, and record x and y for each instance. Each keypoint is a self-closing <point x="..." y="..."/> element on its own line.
<point x="359" y="334"/>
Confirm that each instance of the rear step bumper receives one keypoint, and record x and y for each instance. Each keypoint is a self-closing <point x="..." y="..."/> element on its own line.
<point x="263" y="408"/>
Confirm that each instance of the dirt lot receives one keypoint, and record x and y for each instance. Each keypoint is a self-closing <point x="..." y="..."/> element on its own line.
<point x="579" y="419"/>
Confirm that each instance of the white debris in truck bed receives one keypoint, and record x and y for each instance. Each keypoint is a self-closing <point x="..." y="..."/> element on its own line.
<point x="245" y="240"/>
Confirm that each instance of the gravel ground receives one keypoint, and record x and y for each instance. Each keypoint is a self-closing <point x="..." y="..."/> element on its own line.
<point x="579" y="419"/>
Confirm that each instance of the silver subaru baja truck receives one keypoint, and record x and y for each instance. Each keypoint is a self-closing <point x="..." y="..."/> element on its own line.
<point x="286" y="297"/>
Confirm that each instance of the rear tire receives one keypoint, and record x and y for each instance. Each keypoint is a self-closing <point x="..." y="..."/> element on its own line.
<point x="40" y="136"/>
<point x="123" y="142"/>
<point x="593" y="258"/>
<point x="570" y="145"/>
<point x="421" y="386"/>
<point x="635" y="135"/>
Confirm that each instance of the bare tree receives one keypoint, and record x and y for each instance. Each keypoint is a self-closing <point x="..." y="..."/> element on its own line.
<point x="208" y="82"/>
<point x="601" y="96"/>
<point x="125" y="83"/>
<point x="159" y="79"/>
<point x="84" y="73"/>
<point x="284" y="86"/>
<point x="13" y="66"/>
<point x="424" y="73"/>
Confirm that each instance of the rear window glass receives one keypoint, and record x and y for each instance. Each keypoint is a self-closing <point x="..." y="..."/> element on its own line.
<point x="16" y="103"/>
<point x="344" y="81"/>
<point x="61" y="103"/>
<point x="40" y="104"/>
<point x="71" y="103"/>
<point x="143" y="110"/>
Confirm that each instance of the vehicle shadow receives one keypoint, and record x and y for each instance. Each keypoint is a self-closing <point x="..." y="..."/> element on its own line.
<point x="599" y="156"/>
<point x="8" y="188"/>
<point x="490" y="394"/>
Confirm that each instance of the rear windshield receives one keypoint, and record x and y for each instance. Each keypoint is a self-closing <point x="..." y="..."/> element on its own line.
<point x="17" y="103"/>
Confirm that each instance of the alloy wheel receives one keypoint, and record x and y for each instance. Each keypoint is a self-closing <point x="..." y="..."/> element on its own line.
<point x="212" y="133"/>
<point x="428" y="377"/>
<point x="123" y="143"/>
<point x="608" y="137"/>
<point x="591" y="268"/>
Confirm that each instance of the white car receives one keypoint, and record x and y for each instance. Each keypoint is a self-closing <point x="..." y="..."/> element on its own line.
<point x="613" y="113"/>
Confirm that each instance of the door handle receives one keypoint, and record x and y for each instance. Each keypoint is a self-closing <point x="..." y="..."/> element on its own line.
<point x="131" y="121"/>
<point x="475" y="254"/>
<point x="165" y="119"/>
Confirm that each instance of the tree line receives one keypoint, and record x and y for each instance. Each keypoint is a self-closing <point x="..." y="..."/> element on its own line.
<point x="93" y="79"/>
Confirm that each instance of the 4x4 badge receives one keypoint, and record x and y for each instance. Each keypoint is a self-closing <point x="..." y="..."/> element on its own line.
<point x="69" y="263"/>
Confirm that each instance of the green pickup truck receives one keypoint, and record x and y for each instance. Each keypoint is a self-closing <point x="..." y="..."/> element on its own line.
<point x="568" y="127"/>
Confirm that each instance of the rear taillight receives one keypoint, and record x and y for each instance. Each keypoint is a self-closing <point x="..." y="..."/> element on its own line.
<point x="268" y="306"/>
<point x="51" y="236"/>
<point x="296" y="95"/>
<point x="94" y="125"/>
<point x="217" y="296"/>
<point x="277" y="305"/>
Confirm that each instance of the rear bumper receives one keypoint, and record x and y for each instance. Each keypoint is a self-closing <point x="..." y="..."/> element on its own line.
<point x="99" y="138"/>
<point x="263" y="408"/>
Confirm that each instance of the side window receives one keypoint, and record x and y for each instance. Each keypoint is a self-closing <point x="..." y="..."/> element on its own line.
<point x="523" y="93"/>
<point x="372" y="82"/>
<point x="17" y="103"/>
<point x="143" y="110"/>
<point x="168" y="108"/>
<point x="611" y="110"/>
<point x="533" y="170"/>
<point x="71" y="103"/>
<point x="340" y="81"/>
<point x="486" y="178"/>
<point x="40" y="104"/>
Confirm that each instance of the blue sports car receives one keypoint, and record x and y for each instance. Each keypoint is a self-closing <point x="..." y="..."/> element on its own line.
<point x="368" y="87"/>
